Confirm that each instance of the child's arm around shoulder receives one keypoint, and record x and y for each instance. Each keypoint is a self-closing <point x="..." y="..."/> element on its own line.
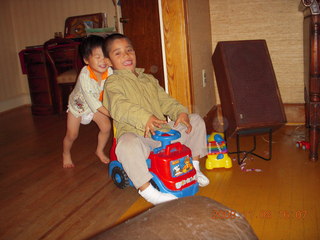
<point x="104" y="111"/>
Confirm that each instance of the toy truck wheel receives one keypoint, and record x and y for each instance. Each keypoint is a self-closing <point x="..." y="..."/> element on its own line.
<point x="153" y="183"/>
<point x="120" y="178"/>
<point x="297" y="145"/>
<point x="304" y="147"/>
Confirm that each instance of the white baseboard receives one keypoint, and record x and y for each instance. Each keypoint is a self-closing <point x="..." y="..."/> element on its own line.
<point x="14" y="102"/>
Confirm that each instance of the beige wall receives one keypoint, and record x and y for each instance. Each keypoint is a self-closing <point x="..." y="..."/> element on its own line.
<point x="13" y="89"/>
<point x="279" y="23"/>
<point x="32" y="22"/>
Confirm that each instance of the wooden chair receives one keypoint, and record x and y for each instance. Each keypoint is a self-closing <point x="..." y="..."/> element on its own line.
<point x="64" y="64"/>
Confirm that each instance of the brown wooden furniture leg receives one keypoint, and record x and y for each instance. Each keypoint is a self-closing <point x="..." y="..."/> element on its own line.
<point x="314" y="121"/>
<point x="312" y="72"/>
<point x="314" y="91"/>
<point x="314" y="143"/>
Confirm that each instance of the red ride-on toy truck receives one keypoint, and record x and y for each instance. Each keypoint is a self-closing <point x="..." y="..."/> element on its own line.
<point x="170" y="164"/>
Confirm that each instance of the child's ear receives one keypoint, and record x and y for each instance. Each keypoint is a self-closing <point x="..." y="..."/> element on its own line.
<point x="109" y="62"/>
<point x="85" y="61"/>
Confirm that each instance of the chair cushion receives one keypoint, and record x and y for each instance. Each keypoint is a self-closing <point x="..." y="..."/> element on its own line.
<point x="195" y="217"/>
<point x="69" y="76"/>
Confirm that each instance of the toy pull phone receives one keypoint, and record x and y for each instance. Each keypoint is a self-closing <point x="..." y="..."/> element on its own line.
<point x="217" y="152"/>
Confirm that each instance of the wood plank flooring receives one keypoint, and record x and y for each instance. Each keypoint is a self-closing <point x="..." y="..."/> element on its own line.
<point x="280" y="202"/>
<point x="41" y="200"/>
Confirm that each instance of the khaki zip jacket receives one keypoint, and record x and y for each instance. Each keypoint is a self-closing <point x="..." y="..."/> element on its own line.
<point x="132" y="100"/>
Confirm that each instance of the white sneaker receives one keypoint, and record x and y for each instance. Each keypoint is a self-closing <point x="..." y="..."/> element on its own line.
<point x="201" y="178"/>
<point x="155" y="197"/>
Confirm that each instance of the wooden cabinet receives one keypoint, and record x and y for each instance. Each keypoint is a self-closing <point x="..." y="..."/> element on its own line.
<point x="312" y="73"/>
<point x="34" y="65"/>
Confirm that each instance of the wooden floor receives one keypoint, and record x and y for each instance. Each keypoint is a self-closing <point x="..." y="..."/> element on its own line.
<point x="41" y="200"/>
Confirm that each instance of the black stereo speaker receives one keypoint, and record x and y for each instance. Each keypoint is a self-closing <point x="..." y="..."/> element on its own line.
<point x="247" y="85"/>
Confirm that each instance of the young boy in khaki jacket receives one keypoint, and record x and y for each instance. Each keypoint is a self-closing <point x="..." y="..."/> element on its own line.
<point x="138" y="106"/>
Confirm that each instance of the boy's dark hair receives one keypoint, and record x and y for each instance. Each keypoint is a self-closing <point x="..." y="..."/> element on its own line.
<point x="89" y="43"/>
<point x="109" y="40"/>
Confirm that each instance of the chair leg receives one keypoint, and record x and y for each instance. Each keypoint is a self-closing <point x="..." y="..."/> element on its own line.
<point x="62" y="93"/>
<point x="60" y="106"/>
<point x="60" y="110"/>
<point x="58" y="100"/>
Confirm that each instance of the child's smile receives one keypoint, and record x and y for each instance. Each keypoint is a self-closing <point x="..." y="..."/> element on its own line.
<point x="127" y="63"/>
<point x="97" y="61"/>
<point x="122" y="55"/>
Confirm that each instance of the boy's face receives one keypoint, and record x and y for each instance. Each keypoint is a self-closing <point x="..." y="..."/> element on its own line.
<point x="122" y="55"/>
<point x="97" y="61"/>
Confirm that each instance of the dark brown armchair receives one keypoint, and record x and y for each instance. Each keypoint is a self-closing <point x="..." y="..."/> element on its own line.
<point x="64" y="64"/>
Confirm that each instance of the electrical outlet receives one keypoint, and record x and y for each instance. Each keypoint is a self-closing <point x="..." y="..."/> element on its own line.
<point x="204" y="78"/>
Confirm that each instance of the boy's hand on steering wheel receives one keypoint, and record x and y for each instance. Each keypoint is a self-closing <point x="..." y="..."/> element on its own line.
<point x="184" y="119"/>
<point x="151" y="124"/>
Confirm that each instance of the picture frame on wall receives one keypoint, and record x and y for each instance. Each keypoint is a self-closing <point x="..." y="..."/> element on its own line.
<point x="75" y="26"/>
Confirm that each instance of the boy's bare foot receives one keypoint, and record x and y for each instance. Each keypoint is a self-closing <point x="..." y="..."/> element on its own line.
<point x="67" y="161"/>
<point x="103" y="158"/>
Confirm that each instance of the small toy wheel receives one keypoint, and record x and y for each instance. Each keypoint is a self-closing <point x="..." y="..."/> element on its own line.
<point x="153" y="183"/>
<point x="120" y="178"/>
<point x="297" y="145"/>
<point x="304" y="147"/>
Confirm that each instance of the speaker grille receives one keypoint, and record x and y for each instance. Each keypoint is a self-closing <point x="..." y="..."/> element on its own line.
<point x="247" y="86"/>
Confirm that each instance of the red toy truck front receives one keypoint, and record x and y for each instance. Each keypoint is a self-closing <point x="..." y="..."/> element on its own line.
<point x="173" y="166"/>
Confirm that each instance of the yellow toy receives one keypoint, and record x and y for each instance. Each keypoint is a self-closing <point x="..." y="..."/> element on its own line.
<point x="217" y="152"/>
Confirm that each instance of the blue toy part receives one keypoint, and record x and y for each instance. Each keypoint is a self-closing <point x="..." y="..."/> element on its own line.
<point x="113" y="164"/>
<point x="165" y="138"/>
<point x="218" y="138"/>
<point x="220" y="156"/>
<point x="120" y="178"/>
